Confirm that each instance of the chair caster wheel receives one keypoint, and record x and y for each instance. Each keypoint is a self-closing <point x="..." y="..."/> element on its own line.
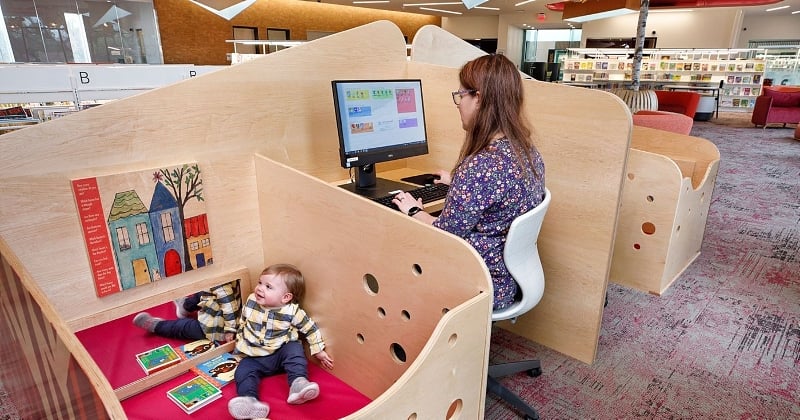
<point x="535" y="372"/>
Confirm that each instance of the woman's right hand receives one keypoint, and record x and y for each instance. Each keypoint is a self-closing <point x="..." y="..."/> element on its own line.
<point x="444" y="177"/>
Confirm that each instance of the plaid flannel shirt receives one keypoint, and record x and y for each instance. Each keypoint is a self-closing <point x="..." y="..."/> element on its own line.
<point x="263" y="331"/>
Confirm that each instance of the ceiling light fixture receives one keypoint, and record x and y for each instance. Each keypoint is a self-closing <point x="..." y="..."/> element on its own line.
<point x="370" y="1"/>
<point x="432" y="4"/>
<point x="524" y="2"/>
<point x="487" y="8"/>
<point x="595" y="9"/>
<point x="778" y="8"/>
<point x="796" y="12"/>
<point x="440" y="11"/>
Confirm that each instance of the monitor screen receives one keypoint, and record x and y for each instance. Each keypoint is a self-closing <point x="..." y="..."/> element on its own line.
<point x="378" y="121"/>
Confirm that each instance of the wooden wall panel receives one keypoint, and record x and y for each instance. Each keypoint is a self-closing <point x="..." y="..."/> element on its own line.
<point x="193" y="35"/>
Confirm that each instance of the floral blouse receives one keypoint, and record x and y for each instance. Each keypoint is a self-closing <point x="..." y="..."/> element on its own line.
<point x="487" y="193"/>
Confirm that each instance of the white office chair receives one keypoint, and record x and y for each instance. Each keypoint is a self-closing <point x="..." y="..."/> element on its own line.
<point x="521" y="256"/>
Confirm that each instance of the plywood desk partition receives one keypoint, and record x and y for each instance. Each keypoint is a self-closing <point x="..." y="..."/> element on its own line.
<point x="405" y="307"/>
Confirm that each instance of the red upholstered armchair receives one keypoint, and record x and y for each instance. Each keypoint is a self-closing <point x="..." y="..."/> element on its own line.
<point x="676" y="101"/>
<point x="777" y="104"/>
<point x="664" y="120"/>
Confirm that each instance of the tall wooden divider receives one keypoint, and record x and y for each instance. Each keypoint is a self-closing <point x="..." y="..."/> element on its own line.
<point x="264" y="134"/>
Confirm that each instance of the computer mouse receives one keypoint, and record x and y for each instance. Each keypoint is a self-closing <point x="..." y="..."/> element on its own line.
<point x="431" y="178"/>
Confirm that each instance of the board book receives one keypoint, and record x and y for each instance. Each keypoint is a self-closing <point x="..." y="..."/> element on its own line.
<point x="194" y="394"/>
<point x="195" y="348"/>
<point x="218" y="370"/>
<point x="158" y="358"/>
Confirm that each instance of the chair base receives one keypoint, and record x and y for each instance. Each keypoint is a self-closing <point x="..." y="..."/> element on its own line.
<point x="533" y="367"/>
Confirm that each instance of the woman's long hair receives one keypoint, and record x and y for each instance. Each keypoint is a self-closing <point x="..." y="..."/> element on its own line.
<point x="500" y="86"/>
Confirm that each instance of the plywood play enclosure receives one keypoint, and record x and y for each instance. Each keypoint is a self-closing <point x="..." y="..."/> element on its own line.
<point x="264" y="134"/>
<point x="665" y="203"/>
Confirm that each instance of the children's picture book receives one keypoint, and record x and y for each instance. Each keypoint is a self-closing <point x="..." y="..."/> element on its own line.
<point x="158" y="358"/>
<point x="194" y="394"/>
<point x="142" y="226"/>
<point x="190" y="350"/>
<point x="218" y="370"/>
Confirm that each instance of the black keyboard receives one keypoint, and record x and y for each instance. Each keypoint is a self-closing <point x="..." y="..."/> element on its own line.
<point x="427" y="193"/>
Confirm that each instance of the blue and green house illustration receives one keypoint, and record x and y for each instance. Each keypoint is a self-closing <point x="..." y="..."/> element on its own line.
<point x="150" y="244"/>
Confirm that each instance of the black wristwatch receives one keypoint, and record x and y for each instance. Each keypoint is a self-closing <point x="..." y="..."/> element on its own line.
<point x="413" y="210"/>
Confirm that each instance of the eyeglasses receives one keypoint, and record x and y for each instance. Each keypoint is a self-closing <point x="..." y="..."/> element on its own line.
<point x="461" y="92"/>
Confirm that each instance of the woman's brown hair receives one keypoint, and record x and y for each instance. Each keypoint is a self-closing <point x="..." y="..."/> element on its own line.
<point x="499" y="85"/>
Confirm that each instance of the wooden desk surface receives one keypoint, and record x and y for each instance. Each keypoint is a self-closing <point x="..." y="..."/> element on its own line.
<point x="397" y="175"/>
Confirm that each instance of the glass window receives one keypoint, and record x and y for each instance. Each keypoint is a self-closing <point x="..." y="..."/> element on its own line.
<point x="58" y="31"/>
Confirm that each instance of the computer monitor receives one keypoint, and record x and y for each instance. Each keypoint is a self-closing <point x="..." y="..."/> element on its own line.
<point x="378" y="121"/>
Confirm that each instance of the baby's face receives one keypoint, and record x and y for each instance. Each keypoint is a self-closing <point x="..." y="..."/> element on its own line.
<point x="271" y="291"/>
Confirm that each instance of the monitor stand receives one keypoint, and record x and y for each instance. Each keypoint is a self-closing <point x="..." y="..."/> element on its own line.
<point x="367" y="184"/>
<point x="381" y="188"/>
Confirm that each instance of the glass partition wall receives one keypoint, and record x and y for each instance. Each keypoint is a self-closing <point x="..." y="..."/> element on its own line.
<point x="544" y="50"/>
<point x="79" y="31"/>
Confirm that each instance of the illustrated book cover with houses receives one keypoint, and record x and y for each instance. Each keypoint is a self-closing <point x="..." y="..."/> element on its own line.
<point x="140" y="227"/>
<point x="194" y="394"/>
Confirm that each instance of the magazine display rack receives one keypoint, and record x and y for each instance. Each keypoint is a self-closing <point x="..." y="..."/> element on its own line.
<point x="665" y="204"/>
<point x="741" y="71"/>
<point x="418" y="344"/>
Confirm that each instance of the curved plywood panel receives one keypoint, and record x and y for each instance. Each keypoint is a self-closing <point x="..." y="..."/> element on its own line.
<point x="667" y="194"/>
<point x="584" y="138"/>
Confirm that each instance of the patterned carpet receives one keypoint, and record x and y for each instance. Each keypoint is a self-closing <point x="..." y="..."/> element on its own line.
<point x="724" y="341"/>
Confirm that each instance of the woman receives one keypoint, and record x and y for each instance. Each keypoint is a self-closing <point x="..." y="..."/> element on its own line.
<point x="499" y="174"/>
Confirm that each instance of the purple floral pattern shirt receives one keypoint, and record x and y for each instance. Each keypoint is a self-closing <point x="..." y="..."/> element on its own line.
<point x="487" y="193"/>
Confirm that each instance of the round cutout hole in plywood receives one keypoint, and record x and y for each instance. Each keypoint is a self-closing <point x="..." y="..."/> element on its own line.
<point x="371" y="284"/>
<point x="650" y="198"/>
<point x="454" y="411"/>
<point x="416" y="269"/>
<point x="360" y="338"/>
<point x="405" y="315"/>
<point x="452" y="339"/>
<point x="398" y="353"/>
<point x="648" y="228"/>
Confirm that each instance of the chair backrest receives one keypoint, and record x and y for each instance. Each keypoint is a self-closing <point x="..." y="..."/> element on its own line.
<point x="521" y="256"/>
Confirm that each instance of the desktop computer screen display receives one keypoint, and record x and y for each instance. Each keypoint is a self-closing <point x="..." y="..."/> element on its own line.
<point x="378" y="121"/>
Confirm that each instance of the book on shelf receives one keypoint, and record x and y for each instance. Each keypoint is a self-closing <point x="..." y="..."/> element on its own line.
<point x="194" y="394"/>
<point x="194" y="348"/>
<point x="158" y="358"/>
<point x="218" y="370"/>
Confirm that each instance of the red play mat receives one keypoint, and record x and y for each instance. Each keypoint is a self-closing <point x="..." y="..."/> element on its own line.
<point x="114" y="345"/>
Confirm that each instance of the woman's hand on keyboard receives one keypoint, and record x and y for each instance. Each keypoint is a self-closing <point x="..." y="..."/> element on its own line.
<point x="404" y="201"/>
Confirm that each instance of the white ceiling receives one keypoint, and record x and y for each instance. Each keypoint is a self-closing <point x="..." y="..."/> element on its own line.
<point x="524" y="13"/>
